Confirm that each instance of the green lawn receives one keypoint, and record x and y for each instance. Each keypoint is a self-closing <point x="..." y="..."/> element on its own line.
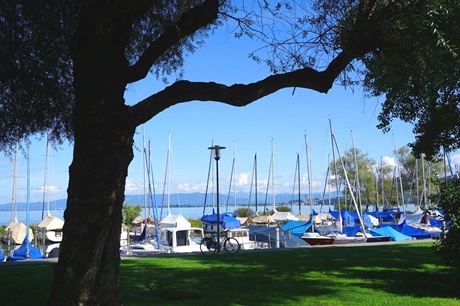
<point x="392" y="274"/>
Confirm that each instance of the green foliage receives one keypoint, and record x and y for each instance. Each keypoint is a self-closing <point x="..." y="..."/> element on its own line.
<point x="196" y="222"/>
<point x="130" y="213"/>
<point x="244" y="212"/>
<point x="36" y="90"/>
<point x="33" y="227"/>
<point x="2" y="229"/>
<point x="283" y="209"/>
<point x="365" y="167"/>
<point x="420" y="79"/>
<point x="448" y="199"/>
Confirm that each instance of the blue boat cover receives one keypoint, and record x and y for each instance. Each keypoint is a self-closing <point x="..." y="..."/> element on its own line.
<point x="297" y="228"/>
<point x="269" y="235"/>
<point x="438" y="223"/>
<point x="227" y="220"/>
<point x="334" y="213"/>
<point x="350" y="218"/>
<point x="2" y="256"/>
<point x="408" y="230"/>
<point x="367" y="221"/>
<point x="351" y="231"/>
<point x="389" y="231"/>
<point x="26" y="251"/>
<point x="384" y="216"/>
<point x="142" y="236"/>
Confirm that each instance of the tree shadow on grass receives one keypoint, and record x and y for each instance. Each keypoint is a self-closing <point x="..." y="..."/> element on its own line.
<point x="287" y="276"/>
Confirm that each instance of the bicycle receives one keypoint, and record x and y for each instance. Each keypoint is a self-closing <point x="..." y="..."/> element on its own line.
<point x="209" y="244"/>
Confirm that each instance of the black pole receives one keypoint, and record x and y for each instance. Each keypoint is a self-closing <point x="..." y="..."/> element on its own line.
<point x="217" y="191"/>
<point x="217" y="149"/>
<point x="298" y="174"/>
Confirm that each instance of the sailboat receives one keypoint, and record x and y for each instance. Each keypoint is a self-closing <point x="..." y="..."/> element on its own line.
<point x="26" y="250"/>
<point x="172" y="220"/>
<point x="268" y="220"/>
<point x="15" y="231"/>
<point x="50" y="228"/>
<point x="311" y="236"/>
<point x="176" y="235"/>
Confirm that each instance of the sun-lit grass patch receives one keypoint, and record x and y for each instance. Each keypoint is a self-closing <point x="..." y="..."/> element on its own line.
<point x="392" y="274"/>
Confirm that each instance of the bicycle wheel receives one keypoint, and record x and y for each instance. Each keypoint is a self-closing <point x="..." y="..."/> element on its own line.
<point x="208" y="246"/>
<point x="231" y="245"/>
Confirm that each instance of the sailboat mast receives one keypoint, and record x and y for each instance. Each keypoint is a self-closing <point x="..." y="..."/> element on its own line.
<point x="234" y="176"/>
<point x="417" y="200"/>
<point x="255" y="172"/>
<point x="168" y="172"/>
<point x="273" y="174"/>
<point x="400" y="179"/>
<point x="357" y="172"/>
<point x="13" y="194"/>
<point x="144" y="168"/>
<point x="308" y="175"/>
<point x="28" y="195"/>
<point x="44" y="181"/>
<point x="212" y="175"/>
<point x="335" y="174"/>
<point x="424" y="182"/>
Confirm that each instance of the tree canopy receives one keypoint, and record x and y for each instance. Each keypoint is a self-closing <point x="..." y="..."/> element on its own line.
<point x="64" y="68"/>
<point x="404" y="50"/>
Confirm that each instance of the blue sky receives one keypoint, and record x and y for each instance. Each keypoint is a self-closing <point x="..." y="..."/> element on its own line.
<point x="285" y="117"/>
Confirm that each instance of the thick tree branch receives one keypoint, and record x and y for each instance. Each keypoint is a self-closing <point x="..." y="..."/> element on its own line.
<point x="189" y="23"/>
<point x="237" y="94"/>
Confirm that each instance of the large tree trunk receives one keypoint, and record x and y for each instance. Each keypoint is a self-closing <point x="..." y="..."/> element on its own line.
<point x="88" y="266"/>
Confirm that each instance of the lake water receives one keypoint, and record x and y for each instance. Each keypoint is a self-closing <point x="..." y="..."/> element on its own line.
<point x="35" y="216"/>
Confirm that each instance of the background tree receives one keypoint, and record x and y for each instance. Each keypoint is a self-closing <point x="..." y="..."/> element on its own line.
<point x="245" y="212"/>
<point x="130" y="213"/>
<point x="66" y="65"/>
<point x="416" y="176"/>
<point x="448" y="199"/>
<point x="357" y="165"/>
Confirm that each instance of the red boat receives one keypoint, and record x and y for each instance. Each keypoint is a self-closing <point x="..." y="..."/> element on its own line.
<point x="317" y="239"/>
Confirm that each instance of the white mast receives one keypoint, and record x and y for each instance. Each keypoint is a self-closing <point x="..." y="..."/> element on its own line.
<point x="357" y="171"/>
<point x="144" y="170"/>
<point x="168" y="168"/>
<point x="234" y="175"/>
<point x="44" y="183"/>
<point x="400" y="179"/>
<point x="349" y="186"/>
<point x="309" y="183"/>
<point x="13" y="197"/>
<point x="273" y="175"/>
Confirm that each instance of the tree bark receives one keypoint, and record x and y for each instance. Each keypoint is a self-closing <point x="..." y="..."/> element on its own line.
<point x="88" y="266"/>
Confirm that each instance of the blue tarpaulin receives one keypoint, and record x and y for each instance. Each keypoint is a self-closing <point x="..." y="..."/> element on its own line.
<point x="383" y="216"/>
<point x="408" y="230"/>
<point x="297" y="228"/>
<point x="351" y="231"/>
<point x="227" y="220"/>
<point x="389" y="231"/>
<point x="26" y="251"/>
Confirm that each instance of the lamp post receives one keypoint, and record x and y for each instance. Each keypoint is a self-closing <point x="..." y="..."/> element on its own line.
<point x="217" y="149"/>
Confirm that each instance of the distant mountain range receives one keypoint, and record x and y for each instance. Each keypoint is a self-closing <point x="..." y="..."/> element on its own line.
<point x="179" y="199"/>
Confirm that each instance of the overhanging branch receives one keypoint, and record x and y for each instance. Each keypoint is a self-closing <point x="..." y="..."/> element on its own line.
<point x="237" y="94"/>
<point x="189" y="23"/>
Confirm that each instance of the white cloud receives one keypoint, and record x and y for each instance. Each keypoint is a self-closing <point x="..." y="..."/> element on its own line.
<point x="388" y="161"/>
<point x="48" y="189"/>
<point x="243" y="179"/>
<point x="455" y="160"/>
<point x="189" y="188"/>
